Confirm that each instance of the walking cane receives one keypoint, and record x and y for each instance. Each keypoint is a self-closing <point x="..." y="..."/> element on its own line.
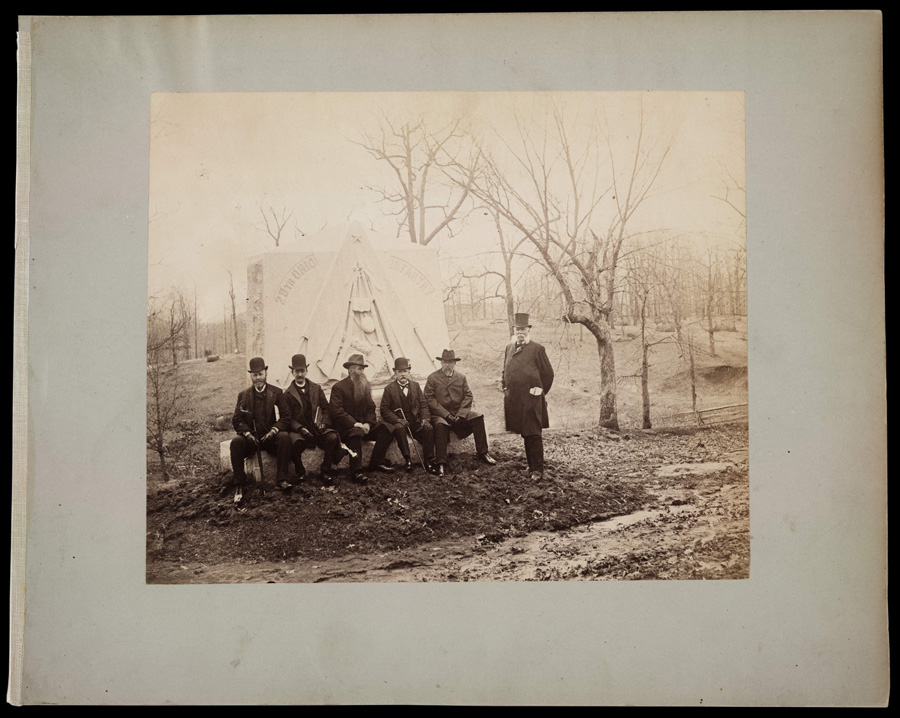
<point x="258" y="452"/>
<point x="413" y="441"/>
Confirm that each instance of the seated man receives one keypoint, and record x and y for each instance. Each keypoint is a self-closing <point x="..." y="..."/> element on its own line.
<point x="257" y="427"/>
<point x="309" y="422"/>
<point x="450" y="403"/>
<point x="403" y="408"/>
<point x="353" y="415"/>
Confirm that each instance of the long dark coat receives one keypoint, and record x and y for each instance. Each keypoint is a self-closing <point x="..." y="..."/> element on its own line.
<point x="296" y="405"/>
<point x="449" y="395"/>
<point x="524" y="369"/>
<point x="242" y="420"/>
<point x="417" y="409"/>
<point x="346" y="410"/>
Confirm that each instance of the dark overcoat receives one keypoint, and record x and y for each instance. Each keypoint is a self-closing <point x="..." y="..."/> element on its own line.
<point x="447" y="395"/>
<point x="525" y="368"/>
<point x="346" y="410"/>
<point x="242" y="421"/>
<point x="417" y="408"/>
<point x="296" y="407"/>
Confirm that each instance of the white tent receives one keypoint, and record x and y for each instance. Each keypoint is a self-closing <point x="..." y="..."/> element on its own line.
<point x="343" y="292"/>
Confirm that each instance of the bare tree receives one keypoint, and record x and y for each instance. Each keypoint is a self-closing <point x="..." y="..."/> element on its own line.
<point x="551" y="190"/>
<point x="422" y="201"/>
<point x="233" y="310"/>
<point x="166" y="395"/>
<point x="274" y="220"/>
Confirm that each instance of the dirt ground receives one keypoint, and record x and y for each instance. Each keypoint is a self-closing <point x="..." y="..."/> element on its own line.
<point x="667" y="504"/>
<point x="650" y="506"/>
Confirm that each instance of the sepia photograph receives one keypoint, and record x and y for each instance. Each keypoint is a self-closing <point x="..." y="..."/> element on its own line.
<point x="447" y="336"/>
<point x="422" y="359"/>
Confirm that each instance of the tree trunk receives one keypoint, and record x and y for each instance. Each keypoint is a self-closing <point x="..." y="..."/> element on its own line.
<point x="711" y="329"/>
<point x="510" y="301"/>
<point x="609" y="416"/>
<point x="693" y="375"/>
<point x="645" y="369"/>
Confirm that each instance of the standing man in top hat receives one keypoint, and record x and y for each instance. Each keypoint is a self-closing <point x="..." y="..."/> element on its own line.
<point x="309" y="421"/>
<point x="527" y="377"/>
<point x="450" y="403"/>
<point x="258" y="428"/>
<point x="353" y="415"/>
<point x="403" y="407"/>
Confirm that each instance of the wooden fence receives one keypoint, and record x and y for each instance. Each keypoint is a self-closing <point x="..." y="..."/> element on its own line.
<point x="707" y="417"/>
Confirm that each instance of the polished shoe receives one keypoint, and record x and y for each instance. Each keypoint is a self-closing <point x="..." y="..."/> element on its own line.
<point x="238" y="494"/>
<point x="537" y="475"/>
<point x="359" y="479"/>
<point x="350" y="452"/>
<point x="431" y="467"/>
<point x="382" y="467"/>
<point x="442" y="470"/>
<point x="284" y="485"/>
<point x="487" y="459"/>
<point x="408" y="466"/>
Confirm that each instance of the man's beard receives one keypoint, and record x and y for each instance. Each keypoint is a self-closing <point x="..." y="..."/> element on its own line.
<point x="361" y="388"/>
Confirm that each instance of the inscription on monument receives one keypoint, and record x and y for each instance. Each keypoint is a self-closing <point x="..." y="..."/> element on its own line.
<point x="410" y="272"/>
<point x="293" y="276"/>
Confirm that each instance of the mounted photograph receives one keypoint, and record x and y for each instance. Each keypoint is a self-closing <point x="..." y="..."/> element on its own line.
<point x="447" y="337"/>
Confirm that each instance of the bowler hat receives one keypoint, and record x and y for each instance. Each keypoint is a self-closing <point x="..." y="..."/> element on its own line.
<point x="298" y="361"/>
<point x="401" y="363"/>
<point x="257" y="364"/>
<point x="355" y="360"/>
<point x="521" y="320"/>
<point x="448" y="355"/>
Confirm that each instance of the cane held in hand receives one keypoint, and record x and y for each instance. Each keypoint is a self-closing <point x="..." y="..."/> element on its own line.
<point x="412" y="440"/>
<point x="258" y="450"/>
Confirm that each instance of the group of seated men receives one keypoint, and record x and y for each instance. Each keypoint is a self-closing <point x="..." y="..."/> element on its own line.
<point x="307" y="420"/>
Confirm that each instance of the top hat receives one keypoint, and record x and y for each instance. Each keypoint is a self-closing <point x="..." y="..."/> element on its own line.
<point x="521" y="320"/>
<point x="257" y="364"/>
<point x="355" y="360"/>
<point x="448" y="355"/>
<point x="401" y="363"/>
<point x="298" y="361"/>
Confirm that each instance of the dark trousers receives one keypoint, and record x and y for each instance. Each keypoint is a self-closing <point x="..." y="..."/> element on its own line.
<point x="534" y="452"/>
<point x="353" y="437"/>
<point x="279" y="446"/>
<point x="462" y="429"/>
<point x="328" y="441"/>
<point x="424" y="434"/>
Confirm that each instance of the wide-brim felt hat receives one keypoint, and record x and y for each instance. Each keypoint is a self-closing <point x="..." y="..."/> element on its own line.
<point x="257" y="364"/>
<point x="298" y="361"/>
<point x="355" y="360"/>
<point x="448" y="355"/>
<point x="401" y="363"/>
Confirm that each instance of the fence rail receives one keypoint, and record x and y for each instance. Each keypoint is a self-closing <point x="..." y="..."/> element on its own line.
<point x="707" y="417"/>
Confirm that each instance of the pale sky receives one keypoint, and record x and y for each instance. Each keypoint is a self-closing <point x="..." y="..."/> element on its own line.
<point x="215" y="157"/>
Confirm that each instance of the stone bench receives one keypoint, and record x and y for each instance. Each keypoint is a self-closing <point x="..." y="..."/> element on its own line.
<point x="312" y="458"/>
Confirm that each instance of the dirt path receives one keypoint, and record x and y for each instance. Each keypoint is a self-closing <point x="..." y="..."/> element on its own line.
<point x="696" y="527"/>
